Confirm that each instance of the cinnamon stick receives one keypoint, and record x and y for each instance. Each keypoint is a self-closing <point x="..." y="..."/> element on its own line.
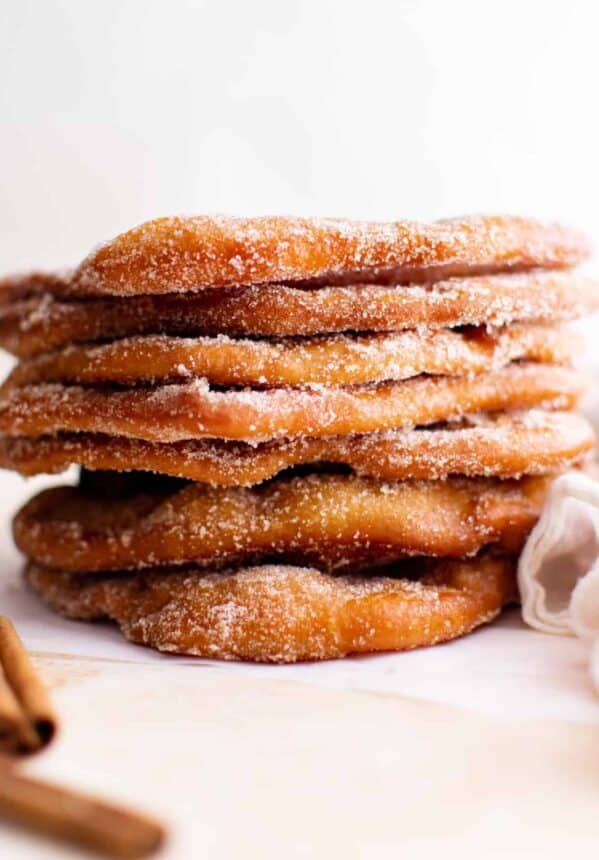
<point x="87" y="822"/>
<point x="27" y="719"/>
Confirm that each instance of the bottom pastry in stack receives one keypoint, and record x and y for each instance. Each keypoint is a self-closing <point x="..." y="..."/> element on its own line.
<point x="281" y="613"/>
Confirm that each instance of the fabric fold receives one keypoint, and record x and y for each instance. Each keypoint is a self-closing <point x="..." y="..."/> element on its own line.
<point x="558" y="572"/>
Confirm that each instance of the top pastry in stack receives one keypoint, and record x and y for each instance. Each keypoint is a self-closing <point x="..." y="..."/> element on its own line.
<point x="299" y="438"/>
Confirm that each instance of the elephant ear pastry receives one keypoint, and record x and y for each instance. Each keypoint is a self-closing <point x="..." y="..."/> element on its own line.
<point x="184" y="254"/>
<point x="498" y="445"/>
<point x="36" y="315"/>
<point x="334" y="522"/>
<point x="281" y="614"/>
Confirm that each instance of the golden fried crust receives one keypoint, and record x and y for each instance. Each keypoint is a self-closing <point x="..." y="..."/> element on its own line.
<point x="505" y="446"/>
<point x="30" y="324"/>
<point x="335" y="522"/>
<point x="283" y="614"/>
<point x="25" y="285"/>
<point x="182" y="254"/>
<point x="337" y="360"/>
<point x="169" y="413"/>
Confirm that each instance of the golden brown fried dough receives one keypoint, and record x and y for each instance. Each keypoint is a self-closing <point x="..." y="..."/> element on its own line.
<point x="40" y="322"/>
<point x="384" y="369"/>
<point x="336" y="522"/>
<point x="282" y="614"/>
<point x="168" y="413"/>
<point x="188" y="253"/>
<point x="335" y="360"/>
<point x="505" y="446"/>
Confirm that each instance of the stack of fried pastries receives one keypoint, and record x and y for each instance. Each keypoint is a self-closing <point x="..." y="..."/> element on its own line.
<point x="298" y="438"/>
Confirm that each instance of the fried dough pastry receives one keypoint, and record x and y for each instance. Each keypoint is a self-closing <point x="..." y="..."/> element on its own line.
<point x="333" y="361"/>
<point x="26" y="285"/>
<point x="336" y="522"/>
<point x="282" y="614"/>
<point x="34" y="323"/>
<point x="505" y="446"/>
<point x="169" y="413"/>
<point x="182" y="254"/>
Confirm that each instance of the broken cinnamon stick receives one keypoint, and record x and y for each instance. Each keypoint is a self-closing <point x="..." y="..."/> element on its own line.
<point x="27" y="719"/>
<point x="76" y="818"/>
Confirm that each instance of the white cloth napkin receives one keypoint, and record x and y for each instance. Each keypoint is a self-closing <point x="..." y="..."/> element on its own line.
<point x="558" y="573"/>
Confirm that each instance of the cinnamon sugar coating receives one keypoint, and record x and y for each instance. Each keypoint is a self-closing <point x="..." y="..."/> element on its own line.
<point x="282" y="614"/>
<point x="506" y="446"/>
<point x="169" y="413"/>
<point x="34" y="319"/>
<point x="334" y="360"/>
<point x="335" y="522"/>
<point x="383" y="405"/>
<point x="183" y="254"/>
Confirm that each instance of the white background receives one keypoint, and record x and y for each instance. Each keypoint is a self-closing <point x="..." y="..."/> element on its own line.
<point x="114" y="111"/>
